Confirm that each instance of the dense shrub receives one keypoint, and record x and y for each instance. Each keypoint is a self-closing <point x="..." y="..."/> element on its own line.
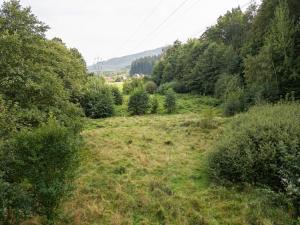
<point x="177" y="86"/>
<point x="36" y="170"/>
<point x="154" y="104"/>
<point x="226" y="84"/>
<point x="234" y="102"/>
<point x="131" y="84"/>
<point x="138" y="102"/>
<point x="170" y="101"/>
<point x="262" y="147"/>
<point x="117" y="95"/>
<point x="151" y="87"/>
<point x="97" y="100"/>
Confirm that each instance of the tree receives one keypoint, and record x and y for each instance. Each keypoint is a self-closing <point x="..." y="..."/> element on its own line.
<point x="170" y="101"/>
<point x="151" y="87"/>
<point x="97" y="100"/>
<point x="138" y="102"/>
<point x="40" y="83"/>
<point x="143" y="65"/>
<point x="154" y="104"/>
<point x="117" y="95"/>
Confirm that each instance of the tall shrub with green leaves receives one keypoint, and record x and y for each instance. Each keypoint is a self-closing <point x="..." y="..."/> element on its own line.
<point x="154" y="104"/>
<point x="138" y="102"/>
<point x="151" y="87"/>
<point x="37" y="167"/>
<point x="97" y="100"/>
<point x="170" y="101"/>
<point x="117" y="95"/>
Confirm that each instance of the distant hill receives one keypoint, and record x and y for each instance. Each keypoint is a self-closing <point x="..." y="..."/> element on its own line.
<point x="120" y="63"/>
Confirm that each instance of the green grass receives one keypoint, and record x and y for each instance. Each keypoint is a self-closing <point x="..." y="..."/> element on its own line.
<point x="152" y="170"/>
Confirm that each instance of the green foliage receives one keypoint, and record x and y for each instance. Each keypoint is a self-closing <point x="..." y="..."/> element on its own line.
<point x="39" y="79"/>
<point x="138" y="102"/>
<point x="151" y="87"/>
<point x="235" y="102"/>
<point x="97" y="100"/>
<point x="262" y="147"/>
<point x="117" y="95"/>
<point x="154" y="104"/>
<point x="170" y="101"/>
<point x="131" y="84"/>
<point x="258" y="48"/>
<point x="226" y="84"/>
<point x="143" y="65"/>
<point x="36" y="170"/>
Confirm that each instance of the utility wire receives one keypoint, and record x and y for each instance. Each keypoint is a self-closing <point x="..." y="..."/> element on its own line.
<point x="142" y="23"/>
<point x="191" y="6"/>
<point x="163" y="23"/>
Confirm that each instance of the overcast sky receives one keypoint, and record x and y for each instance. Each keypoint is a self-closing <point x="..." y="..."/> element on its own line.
<point x="110" y="28"/>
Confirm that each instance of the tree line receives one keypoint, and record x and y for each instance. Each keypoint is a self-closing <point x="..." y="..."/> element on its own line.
<point x="41" y="90"/>
<point x="143" y="65"/>
<point x="247" y="57"/>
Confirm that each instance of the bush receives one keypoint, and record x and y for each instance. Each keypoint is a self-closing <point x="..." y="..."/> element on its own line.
<point x="151" y="87"/>
<point x="36" y="170"/>
<point x="226" y="84"/>
<point x="170" y="101"/>
<point x="138" y="102"/>
<point x="130" y="85"/>
<point x="234" y="103"/>
<point x="177" y="86"/>
<point x="117" y="95"/>
<point x="97" y="101"/>
<point x="262" y="147"/>
<point x="154" y="105"/>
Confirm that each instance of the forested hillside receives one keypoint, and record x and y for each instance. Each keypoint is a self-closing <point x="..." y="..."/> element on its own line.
<point x="119" y="63"/>
<point x="144" y="65"/>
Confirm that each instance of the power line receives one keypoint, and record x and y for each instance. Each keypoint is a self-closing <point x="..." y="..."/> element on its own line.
<point x="143" y="22"/>
<point x="163" y="23"/>
<point x="191" y="6"/>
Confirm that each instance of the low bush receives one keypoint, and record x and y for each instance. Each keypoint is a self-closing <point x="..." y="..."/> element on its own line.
<point x="234" y="102"/>
<point x="262" y="147"/>
<point x="117" y="95"/>
<point x="151" y="87"/>
<point x="97" y="100"/>
<point x="132" y="84"/>
<point x="36" y="170"/>
<point x="154" y="105"/>
<point x="170" y="101"/>
<point x="138" y="102"/>
<point x="177" y="86"/>
<point x="226" y="84"/>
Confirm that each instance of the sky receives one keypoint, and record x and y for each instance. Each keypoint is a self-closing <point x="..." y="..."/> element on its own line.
<point x="111" y="28"/>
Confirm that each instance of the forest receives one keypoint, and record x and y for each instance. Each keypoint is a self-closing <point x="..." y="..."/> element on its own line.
<point x="210" y="136"/>
<point x="143" y="65"/>
<point x="246" y="58"/>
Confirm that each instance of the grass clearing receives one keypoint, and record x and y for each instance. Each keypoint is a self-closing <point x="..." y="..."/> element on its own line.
<point x="151" y="170"/>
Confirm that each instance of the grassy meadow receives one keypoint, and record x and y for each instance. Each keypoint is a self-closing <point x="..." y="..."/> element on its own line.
<point x="152" y="170"/>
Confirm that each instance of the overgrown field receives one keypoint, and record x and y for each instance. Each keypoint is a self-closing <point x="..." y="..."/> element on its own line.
<point x="153" y="170"/>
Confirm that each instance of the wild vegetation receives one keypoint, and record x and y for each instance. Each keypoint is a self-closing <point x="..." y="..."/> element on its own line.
<point x="163" y="149"/>
<point x="143" y="65"/>
<point x="246" y="58"/>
